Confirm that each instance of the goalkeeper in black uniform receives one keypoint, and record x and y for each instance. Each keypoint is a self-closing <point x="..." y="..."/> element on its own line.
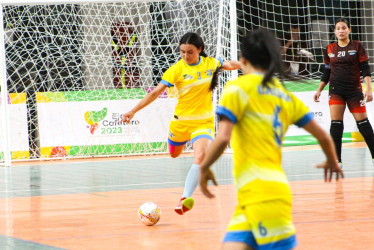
<point x="345" y="61"/>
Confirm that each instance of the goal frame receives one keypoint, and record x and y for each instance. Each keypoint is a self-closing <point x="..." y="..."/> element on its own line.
<point x="5" y="140"/>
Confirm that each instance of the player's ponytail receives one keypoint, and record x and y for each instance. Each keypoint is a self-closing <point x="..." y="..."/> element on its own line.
<point x="194" y="39"/>
<point x="262" y="50"/>
<point x="215" y="79"/>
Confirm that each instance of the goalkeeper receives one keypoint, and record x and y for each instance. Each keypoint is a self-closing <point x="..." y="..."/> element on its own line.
<point x="194" y="76"/>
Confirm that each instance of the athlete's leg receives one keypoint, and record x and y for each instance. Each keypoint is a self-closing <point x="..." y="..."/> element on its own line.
<point x="175" y="151"/>
<point x="199" y="146"/>
<point x="337" y="128"/>
<point x="337" y="107"/>
<point x="366" y="131"/>
<point x="178" y="137"/>
<point x="356" y="105"/>
<point x="200" y="138"/>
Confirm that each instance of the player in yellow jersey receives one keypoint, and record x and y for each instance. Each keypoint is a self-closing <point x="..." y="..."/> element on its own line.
<point x="255" y="111"/>
<point x="193" y="116"/>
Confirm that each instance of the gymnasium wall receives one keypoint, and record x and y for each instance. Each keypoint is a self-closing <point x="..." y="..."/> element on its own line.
<point x="69" y="125"/>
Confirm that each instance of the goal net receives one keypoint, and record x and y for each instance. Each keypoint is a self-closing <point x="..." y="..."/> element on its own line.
<point x="72" y="68"/>
<point x="304" y="29"/>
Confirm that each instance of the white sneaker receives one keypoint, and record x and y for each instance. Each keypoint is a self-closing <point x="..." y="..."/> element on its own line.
<point x="306" y="53"/>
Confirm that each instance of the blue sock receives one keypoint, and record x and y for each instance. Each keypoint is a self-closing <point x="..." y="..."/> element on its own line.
<point x="191" y="181"/>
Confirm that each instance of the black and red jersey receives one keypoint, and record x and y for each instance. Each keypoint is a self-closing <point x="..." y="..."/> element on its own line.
<point x="345" y="62"/>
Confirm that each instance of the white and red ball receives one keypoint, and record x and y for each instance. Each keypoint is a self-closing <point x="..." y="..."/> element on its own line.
<point x="149" y="213"/>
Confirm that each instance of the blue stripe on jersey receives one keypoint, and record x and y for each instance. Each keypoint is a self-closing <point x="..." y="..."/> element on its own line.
<point x="241" y="236"/>
<point x="248" y="238"/>
<point x="175" y="143"/>
<point x="166" y="83"/>
<point x="288" y="243"/>
<point x="221" y="61"/>
<point x="202" y="136"/>
<point x="304" y="120"/>
<point x="227" y="113"/>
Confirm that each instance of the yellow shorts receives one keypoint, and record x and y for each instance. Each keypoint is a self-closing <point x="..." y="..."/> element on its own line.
<point x="181" y="132"/>
<point x="264" y="225"/>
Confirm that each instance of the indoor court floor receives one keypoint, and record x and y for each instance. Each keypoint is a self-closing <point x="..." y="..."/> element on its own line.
<point x="92" y="204"/>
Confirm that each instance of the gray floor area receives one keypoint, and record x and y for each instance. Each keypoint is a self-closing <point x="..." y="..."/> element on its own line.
<point x="85" y="177"/>
<point x="10" y="243"/>
<point x="300" y="165"/>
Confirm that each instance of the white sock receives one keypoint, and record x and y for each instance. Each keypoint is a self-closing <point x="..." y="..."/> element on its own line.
<point x="191" y="180"/>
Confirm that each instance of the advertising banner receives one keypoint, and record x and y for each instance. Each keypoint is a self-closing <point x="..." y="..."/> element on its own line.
<point x="98" y="123"/>
<point x="17" y="122"/>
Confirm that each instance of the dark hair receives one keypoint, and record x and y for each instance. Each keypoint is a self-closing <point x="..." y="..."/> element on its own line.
<point x="343" y="20"/>
<point x="194" y="39"/>
<point x="215" y="79"/>
<point x="262" y="50"/>
<point x="197" y="41"/>
<point x="294" y="23"/>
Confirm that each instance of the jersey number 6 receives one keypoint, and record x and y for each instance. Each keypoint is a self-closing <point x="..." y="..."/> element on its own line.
<point x="277" y="126"/>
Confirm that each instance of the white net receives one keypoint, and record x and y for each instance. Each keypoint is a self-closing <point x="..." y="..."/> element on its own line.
<point x="304" y="29"/>
<point x="309" y="24"/>
<point x="73" y="69"/>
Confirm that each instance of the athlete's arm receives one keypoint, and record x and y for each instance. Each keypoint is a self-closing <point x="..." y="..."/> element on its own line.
<point x="368" y="92"/>
<point x="331" y="164"/>
<point x="214" y="152"/>
<point x="230" y="65"/>
<point x="366" y="73"/>
<point x="324" y="80"/>
<point x="321" y="86"/>
<point x="149" y="98"/>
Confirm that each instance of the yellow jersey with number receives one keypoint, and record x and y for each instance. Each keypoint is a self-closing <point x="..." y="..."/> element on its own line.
<point x="261" y="117"/>
<point x="192" y="82"/>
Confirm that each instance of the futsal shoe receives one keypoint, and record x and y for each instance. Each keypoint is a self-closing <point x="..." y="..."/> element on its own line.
<point x="185" y="204"/>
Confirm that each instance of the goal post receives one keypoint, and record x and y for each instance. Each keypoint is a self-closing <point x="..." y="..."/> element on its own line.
<point x="4" y="97"/>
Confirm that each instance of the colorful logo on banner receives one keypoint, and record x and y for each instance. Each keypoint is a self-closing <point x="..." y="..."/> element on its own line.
<point x="94" y="117"/>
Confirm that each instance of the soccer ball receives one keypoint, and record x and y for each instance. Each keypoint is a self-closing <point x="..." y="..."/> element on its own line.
<point x="149" y="213"/>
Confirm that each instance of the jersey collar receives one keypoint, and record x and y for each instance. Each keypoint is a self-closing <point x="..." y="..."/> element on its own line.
<point x="194" y="64"/>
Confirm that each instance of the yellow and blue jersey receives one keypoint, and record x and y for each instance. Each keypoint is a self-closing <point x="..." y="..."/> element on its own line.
<point x="261" y="116"/>
<point x="192" y="82"/>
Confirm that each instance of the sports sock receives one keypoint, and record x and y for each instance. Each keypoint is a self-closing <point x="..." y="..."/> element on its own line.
<point x="336" y="132"/>
<point x="366" y="131"/>
<point x="191" y="180"/>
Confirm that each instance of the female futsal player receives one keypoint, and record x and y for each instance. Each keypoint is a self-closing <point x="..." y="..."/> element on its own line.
<point x="345" y="61"/>
<point x="255" y="111"/>
<point x="193" y="116"/>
